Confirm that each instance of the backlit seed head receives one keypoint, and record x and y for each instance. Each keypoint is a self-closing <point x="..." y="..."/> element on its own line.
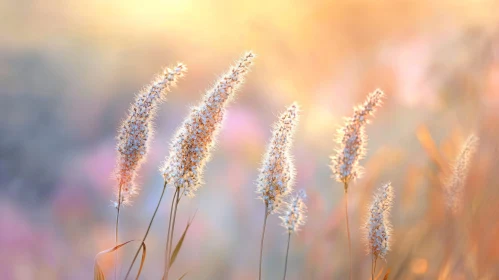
<point x="136" y="130"/>
<point x="277" y="171"/>
<point x="195" y="139"/>
<point x="294" y="215"/>
<point x="378" y="227"/>
<point x="352" y="140"/>
<point x="455" y="186"/>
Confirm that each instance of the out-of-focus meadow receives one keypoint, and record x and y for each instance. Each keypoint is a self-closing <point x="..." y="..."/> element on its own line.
<point x="70" y="69"/>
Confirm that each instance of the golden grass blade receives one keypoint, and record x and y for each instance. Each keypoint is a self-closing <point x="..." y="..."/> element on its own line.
<point x="426" y="140"/>
<point x="183" y="275"/>
<point x="386" y="275"/>
<point x="380" y="274"/>
<point x="180" y="242"/>
<point x="98" y="274"/>
<point x="143" y="259"/>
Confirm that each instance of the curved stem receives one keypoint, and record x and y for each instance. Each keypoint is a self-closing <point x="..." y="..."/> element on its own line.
<point x="168" y="234"/>
<point x="173" y="223"/>
<point x="261" y="243"/>
<point x="116" y="231"/>
<point x="147" y="231"/>
<point x="287" y="253"/>
<point x="169" y="243"/>
<point x="116" y="241"/>
<point x="348" y="231"/>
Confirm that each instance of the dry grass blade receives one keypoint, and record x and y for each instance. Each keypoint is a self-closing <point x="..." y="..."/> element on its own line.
<point x="98" y="274"/>
<point x="428" y="143"/>
<point x="386" y="275"/>
<point x="183" y="275"/>
<point x="380" y="274"/>
<point x="143" y="260"/>
<point x="180" y="242"/>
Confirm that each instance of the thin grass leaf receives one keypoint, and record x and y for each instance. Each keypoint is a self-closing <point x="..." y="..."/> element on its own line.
<point x="143" y="259"/>
<point x="98" y="273"/>
<point x="386" y="275"/>
<point x="428" y="143"/>
<point x="183" y="275"/>
<point x="180" y="242"/>
<point x="380" y="274"/>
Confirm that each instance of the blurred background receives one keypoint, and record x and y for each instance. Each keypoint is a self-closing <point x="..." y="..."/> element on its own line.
<point x="70" y="69"/>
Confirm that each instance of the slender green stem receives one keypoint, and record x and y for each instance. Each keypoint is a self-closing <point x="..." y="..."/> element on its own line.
<point x="261" y="243"/>
<point x="287" y="253"/>
<point x="348" y="231"/>
<point x="116" y="229"/>
<point x="169" y="243"/>
<point x="372" y="267"/>
<point x="116" y="242"/>
<point x="168" y="234"/>
<point x="147" y="231"/>
<point x="173" y="223"/>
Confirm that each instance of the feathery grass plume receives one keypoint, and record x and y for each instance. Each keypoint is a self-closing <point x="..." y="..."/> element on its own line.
<point x="194" y="140"/>
<point x="136" y="130"/>
<point x="378" y="227"/>
<point x="455" y="185"/>
<point x="294" y="216"/>
<point x="277" y="172"/>
<point x="134" y="135"/>
<point x="352" y="140"/>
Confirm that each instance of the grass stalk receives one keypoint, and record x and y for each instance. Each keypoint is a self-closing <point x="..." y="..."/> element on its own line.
<point x="116" y="234"/>
<point x="116" y="243"/>
<point x="171" y="231"/>
<point x="373" y="266"/>
<point x="173" y="223"/>
<point x="348" y="232"/>
<point x="261" y="243"/>
<point x="168" y="233"/>
<point x="286" y="261"/>
<point x="147" y="231"/>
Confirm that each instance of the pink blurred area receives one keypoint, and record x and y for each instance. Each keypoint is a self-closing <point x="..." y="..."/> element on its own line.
<point x="70" y="69"/>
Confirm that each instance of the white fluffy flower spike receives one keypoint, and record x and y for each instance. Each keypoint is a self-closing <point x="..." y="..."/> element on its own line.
<point x="378" y="227"/>
<point x="277" y="171"/>
<point x="294" y="216"/>
<point x="194" y="140"/>
<point x="352" y="140"/>
<point x="136" y="130"/>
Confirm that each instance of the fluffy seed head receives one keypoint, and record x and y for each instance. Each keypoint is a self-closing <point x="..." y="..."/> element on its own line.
<point x="193" y="142"/>
<point x="277" y="171"/>
<point x="378" y="228"/>
<point x="136" y="130"/>
<point x="455" y="186"/>
<point x="352" y="140"/>
<point x="294" y="216"/>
